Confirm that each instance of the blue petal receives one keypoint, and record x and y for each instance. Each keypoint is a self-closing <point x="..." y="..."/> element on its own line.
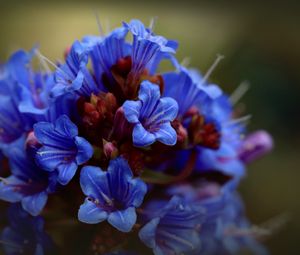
<point x="66" y="127"/>
<point x="66" y="172"/>
<point x="132" y="111"/>
<point x="50" y="157"/>
<point x="148" y="233"/>
<point x="94" y="183"/>
<point x="166" y="134"/>
<point x="34" y="204"/>
<point x="166" y="110"/>
<point x="8" y="190"/>
<point x="90" y="213"/>
<point x="123" y="220"/>
<point x="149" y="94"/>
<point x="12" y="124"/>
<point x="141" y="137"/>
<point x="184" y="90"/>
<point x="118" y="174"/>
<point x="84" y="150"/>
<point x="138" y="189"/>
<point x="46" y="135"/>
<point x="105" y="53"/>
<point x="62" y="105"/>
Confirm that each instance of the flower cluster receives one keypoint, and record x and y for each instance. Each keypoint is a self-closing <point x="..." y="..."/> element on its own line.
<point x="153" y="158"/>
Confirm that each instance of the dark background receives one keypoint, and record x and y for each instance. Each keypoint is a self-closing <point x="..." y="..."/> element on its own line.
<point x="261" y="44"/>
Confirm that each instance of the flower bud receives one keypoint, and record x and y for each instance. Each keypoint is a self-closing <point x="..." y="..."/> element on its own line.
<point x="255" y="146"/>
<point x="110" y="150"/>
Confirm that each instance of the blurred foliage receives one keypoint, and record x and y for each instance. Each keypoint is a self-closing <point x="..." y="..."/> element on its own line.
<point x="261" y="43"/>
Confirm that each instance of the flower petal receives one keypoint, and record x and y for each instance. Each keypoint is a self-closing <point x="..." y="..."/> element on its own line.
<point x="123" y="220"/>
<point x="90" y="213"/>
<point x="149" y="94"/>
<point x="9" y="191"/>
<point x="132" y="111"/>
<point x="94" y="183"/>
<point x="166" y="110"/>
<point x="84" y="150"/>
<point x="118" y="174"/>
<point x="141" y="137"/>
<point x="148" y="233"/>
<point x="166" y="134"/>
<point x="46" y="135"/>
<point x="66" y="172"/>
<point x="66" y="127"/>
<point x="34" y="204"/>
<point x="138" y="189"/>
<point x="49" y="157"/>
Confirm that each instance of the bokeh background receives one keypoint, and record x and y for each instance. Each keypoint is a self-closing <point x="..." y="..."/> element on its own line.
<point x="261" y="44"/>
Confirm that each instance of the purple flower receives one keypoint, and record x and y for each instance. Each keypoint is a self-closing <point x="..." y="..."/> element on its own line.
<point x="151" y="116"/>
<point x="63" y="150"/>
<point x="112" y="195"/>
<point x="255" y="145"/>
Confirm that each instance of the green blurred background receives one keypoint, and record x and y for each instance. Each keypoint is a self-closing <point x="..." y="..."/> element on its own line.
<point x="261" y="43"/>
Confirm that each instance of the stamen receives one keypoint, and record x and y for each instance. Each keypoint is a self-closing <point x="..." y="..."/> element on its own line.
<point x="186" y="62"/>
<point x="211" y="69"/>
<point x="276" y="223"/>
<point x="42" y="61"/>
<point x="107" y="26"/>
<point x="239" y="92"/>
<point x="239" y="120"/>
<point x="13" y="245"/>
<point x="100" y="28"/>
<point x="4" y="180"/>
<point x="152" y="24"/>
<point x="53" y="64"/>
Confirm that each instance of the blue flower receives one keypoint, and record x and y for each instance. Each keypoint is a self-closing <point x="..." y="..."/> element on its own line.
<point x="12" y="123"/>
<point x="151" y="116"/>
<point x="33" y="88"/>
<point x="70" y="77"/>
<point x="62" y="149"/>
<point x="28" y="183"/>
<point x="112" y="195"/>
<point x="186" y="89"/>
<point x="147" y="49"/>
<point x="173" y="228"/>
<point x="225" y="219"/>
<point x="25" y="234"/>
<point x="106" y="52"/>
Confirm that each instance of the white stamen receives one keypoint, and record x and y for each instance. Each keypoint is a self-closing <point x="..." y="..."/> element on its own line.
<point x="4" y="180"/>
<point x="5" y="242"/>
<point x="239" y="120"/>
<point x="100" y="28"/>
<point x="276" y="223"/>
<point x="152" y="24"/>
<point x="186" y="62"/>
<point x="42" y="61"/>
<point x="211" y="69"/>
<point x="53" y="64"/>
<point x="239" y="92"/>
<point x="264" y="230"/>
<point x="107" y="26"/>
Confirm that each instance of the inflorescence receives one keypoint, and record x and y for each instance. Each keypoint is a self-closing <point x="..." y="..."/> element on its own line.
<point x="147" y="160"/>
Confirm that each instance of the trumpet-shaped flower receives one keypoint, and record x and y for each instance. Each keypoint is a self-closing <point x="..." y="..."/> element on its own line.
<point x="63" y="150"/>
<point x="112" y="195"/>
<point x="151" y="116"/>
